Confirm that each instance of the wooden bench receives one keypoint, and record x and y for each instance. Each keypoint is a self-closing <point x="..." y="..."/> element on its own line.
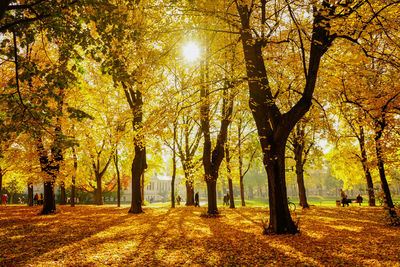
<point x="349" y="200"/>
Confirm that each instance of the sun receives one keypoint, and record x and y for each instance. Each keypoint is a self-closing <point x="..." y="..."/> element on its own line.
<point x="191" y="51"/>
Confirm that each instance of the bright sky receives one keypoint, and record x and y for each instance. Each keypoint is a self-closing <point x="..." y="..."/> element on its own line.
<point x="191" y="51"/>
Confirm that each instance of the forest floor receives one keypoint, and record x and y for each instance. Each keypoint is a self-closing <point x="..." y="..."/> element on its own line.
<point x="106" y="235"/>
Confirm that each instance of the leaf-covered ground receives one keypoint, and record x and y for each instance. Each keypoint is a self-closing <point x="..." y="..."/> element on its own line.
<point x="91" y="235"/>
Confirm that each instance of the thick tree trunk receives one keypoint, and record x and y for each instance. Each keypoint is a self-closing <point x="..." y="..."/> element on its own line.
<point x="298" y="156"/>
<point x="364" y="160"/>
<point x="49" y="204"/>
<point x="212" y="196"/>
<point x="62" y="194"/>
<point x="274" y="162"/>
<point x="189" y="192"/>
<point x="134" y="98"/>
<point x="30" y="195"/>
<point x="274" y="127"/>
<point x="99" y="198"/>
<point x="137" y="169"/>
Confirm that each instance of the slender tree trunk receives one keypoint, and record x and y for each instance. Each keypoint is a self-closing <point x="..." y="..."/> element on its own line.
<point x="298" y="156"/>
<point x="1" y="180"/>
<point x="242" y="191"/>
<point x="381" y="167"/>
<point x="228" y="167"/>
<point x="30" y="195"/>
<point x="74" y="177"/>
<point x="364" y="160"/>
<point x="134" y="98"/>
<point x="241" y="163"/>
<point x="173" y="169"/>
<point x="62" y="194"/>
<point x="118" y="179"/>
<point x="142" y="188"/>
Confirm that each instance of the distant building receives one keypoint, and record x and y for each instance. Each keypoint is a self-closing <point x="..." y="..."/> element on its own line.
<point x="158" y="189"/>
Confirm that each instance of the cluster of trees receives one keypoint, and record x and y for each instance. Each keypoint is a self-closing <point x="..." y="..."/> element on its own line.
<point x="91" y="85"/>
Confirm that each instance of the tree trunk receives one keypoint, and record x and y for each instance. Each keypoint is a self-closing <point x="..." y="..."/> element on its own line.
<point x="134" y="98"/>
<point x="118" y="179"/>
<point x="228" y="167"/>
<point x="381" y="167"/>
<point x="30" y="195"/>
<point x="137" y="170"/>
<point x="99" y="199"/>
<point x="280" y="219"/>
<point x="74" y="177"/>
<point x="274" y="127"/>
<point x="242" y="191"/>
<point x="173" y="169"/>
<point x="49" y="204"/>
<point x="298" y="146"/>
<point x="62" y="194"/>
<point x="189" y="193"/>
<point x="212" y="196"/>
<point x="364" y="160"/>
<point x="142" y="188"/>
<point x="1" y="180"/>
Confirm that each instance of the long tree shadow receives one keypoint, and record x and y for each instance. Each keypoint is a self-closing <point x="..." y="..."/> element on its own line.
<point x="27" y="235"/>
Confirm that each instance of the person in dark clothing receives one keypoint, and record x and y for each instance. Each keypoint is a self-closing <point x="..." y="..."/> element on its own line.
<point x="359" y="199"/>
<point x="36" y="199"/>
<point x="196" y="200"/>
<point x="344" y="197"/>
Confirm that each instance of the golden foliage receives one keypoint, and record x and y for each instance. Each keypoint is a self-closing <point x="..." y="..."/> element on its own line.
<point x="88" y="235"/>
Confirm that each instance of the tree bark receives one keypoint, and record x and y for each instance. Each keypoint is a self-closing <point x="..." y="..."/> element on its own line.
<point x="118" y="179"/>
<point x="189" y="192"/>
<point x="142" y="188"/>
<point x="298" y="147"/>
<point x="212" y="158"/>
<point x="173" y="169"/>
<point x="228" y="167"/>
<point x="364" y="161"/>
<point x="30" y="195"/>
<point x="139" y="164"/>
<point x="75" y="158"/>
<point x="1" y="180"/>
<point x="381" y="167"/>
<point x="49" y="204"/>
<point x="62" y="194"/>
<point x="212" y="196"/>
<point x="272" y="126"/>
<point x="98" y="192"/>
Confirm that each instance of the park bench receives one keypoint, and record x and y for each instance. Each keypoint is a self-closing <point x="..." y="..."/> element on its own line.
<point x="349" y="200"/>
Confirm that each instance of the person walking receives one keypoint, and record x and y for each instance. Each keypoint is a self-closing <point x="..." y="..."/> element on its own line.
<point x="36" y="199"/>
<point x="4" y="199"/>
<point x="344" y="198"/>
<point x="196" y="200"/>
